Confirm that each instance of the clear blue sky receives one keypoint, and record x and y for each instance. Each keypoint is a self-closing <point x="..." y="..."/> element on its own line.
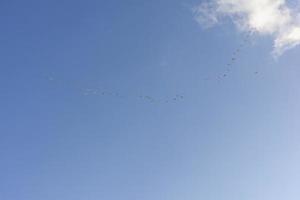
<point x="228" y="139"/>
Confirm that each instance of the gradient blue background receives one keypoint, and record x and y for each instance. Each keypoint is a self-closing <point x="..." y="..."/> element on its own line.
<point x="229" y="139"/>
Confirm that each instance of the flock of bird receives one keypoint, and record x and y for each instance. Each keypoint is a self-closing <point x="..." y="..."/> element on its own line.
<point x="177" y="97"/>
<point x="109" y="93"/>
<point x="147" y="98"/>
<point x="237" y="52"/>
<point x="234" y="58"/>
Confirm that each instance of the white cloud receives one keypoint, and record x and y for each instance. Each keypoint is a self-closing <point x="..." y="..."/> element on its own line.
<point x="265" y="17"/>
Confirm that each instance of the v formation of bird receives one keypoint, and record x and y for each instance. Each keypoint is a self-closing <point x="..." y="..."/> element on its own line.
<point x="175" y="98"/>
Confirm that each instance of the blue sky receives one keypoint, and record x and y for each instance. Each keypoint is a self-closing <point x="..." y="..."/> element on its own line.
<point x="228" y="138"/>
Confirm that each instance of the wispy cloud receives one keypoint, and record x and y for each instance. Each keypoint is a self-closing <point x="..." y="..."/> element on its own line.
<point x="265" y="17"/>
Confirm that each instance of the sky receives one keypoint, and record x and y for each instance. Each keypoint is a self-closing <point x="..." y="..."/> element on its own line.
<point x="142" y="100"/>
